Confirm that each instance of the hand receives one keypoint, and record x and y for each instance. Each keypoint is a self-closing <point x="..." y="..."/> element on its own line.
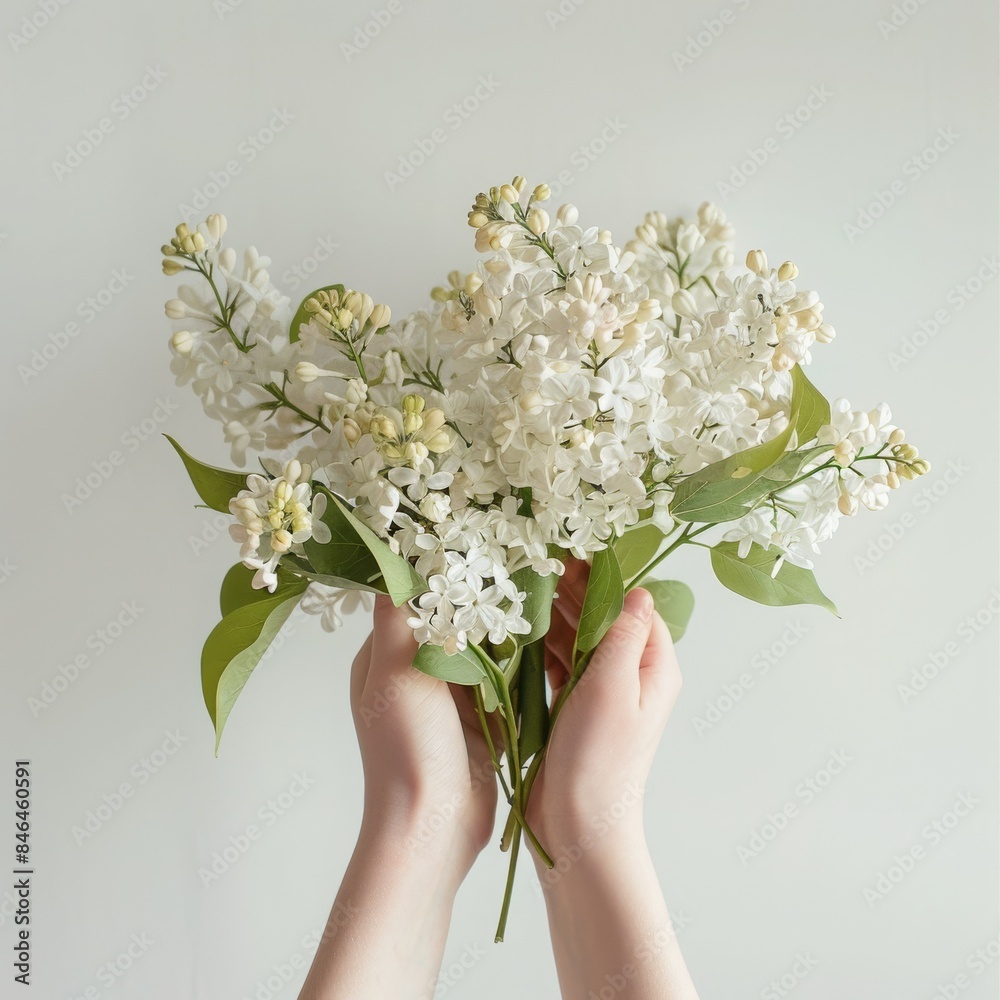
<point x="428" y="772"/>
<point x="606" y="734"/>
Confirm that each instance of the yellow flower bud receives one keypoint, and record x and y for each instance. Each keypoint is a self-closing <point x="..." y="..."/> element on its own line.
<point x="344" y="318"/>
<point x="281" y="540"/>
<point x="380" y="316"/>
<point x="412" y="403"/>
<point x="439" y="442"/>
<point x="757" y="261"/>
<point x="509" y="194"/>
<point x="306" y="371"/>
<point x="538" y="221"/>
<point x="518" y="184"/>
<point x="182" y="230"/>
<point x="478" y="219"/>
<point x="898" y="436"/>
<point x="542" y="192"/>
<point x="352" y="430"/>
<point x="171" y="266"/>
<point x="412" y="422"/>
<point x="788" y="271"/>
<point x="473" y="283"/>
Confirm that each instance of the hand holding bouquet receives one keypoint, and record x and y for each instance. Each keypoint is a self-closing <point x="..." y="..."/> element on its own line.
<point x="567" y="399"/>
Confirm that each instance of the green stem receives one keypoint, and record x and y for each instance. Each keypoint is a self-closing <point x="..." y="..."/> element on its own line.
<point x="508" y="889"/>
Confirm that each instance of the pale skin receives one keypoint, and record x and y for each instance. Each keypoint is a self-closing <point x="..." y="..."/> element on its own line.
<point x="430" y="805"/>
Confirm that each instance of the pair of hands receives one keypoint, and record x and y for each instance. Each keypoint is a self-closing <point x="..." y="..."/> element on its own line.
<point x="424" y="753"/>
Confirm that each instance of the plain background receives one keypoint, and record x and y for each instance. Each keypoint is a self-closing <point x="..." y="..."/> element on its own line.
<point x="597" y="92"/>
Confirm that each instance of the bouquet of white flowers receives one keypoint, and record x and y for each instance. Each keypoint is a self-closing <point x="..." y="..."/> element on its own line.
<point x="566" y="398"/>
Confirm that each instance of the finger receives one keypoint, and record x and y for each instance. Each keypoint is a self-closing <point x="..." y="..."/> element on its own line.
<point x="571" y="592"/>
<point x="558" y="650"/>
<point x="359" y="670"/>
<point x="393" y="649"/>
<point x="615" y="663"/>
<point x="659" y="672"/>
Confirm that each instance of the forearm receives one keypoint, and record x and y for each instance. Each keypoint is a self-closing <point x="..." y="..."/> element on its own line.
<point x="609" y="922"/>
<point x="387" y="930"/>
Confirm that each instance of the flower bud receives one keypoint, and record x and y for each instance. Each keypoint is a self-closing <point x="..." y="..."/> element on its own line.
<point x="847" y="504"/>
<point x="604" y="237"/>
<point x="757" y="262"/>
<point x="216" y="225"/>
<point x="683" y="303"/>
<point x="892" y="480"/>
<point x="412" y="422"/>
<point x="412" y="403"/>
<point x="281" y="540"/>
<point x="345" y="318"/>
<point x="293" y="469"/>
<point x="898" y="436"/>
<point x="649" y="309"/>
<point x="473" y="283"/>
<point x="306" y="371"/>
<point x="168" y="250"/>
<point x="352" y="430"/>
<point x="519" y="184"/>
<point x="352" y="301"/>
<point x="825" y="333"/>
<point x="182" y="231"/>
<point x="182" y="342"/>
<point x="788" y="271"/>
<point x="542" y="192"/>
<point x="439" y="442"/>
<point x="380" y="316"/>
<point x="646" y="234"/>
<point x="538" y="221"/>
<point x="227" y="259"/>
<point x="567" y="215"/>
<point x="921" y="466"/>
<point x="175" y="309"/>
<point x="478" y="219"/>
<point x="171" y="266"/>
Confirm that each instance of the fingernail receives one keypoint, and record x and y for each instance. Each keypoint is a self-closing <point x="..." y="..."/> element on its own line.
<point x="639" y="603"/>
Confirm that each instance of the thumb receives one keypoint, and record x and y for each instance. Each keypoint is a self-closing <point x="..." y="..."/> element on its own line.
<point x="393" y="647"/>
<point x="615" y="663"/>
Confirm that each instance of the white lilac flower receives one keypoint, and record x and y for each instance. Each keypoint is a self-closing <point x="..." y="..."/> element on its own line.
<point x="331" y="604"/>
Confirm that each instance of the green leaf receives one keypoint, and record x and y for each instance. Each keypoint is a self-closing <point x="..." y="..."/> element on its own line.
<point x="539" y="591"/>
<point x="813" y="409"/>
<point x="215" y="486"/>
<point x="636" y="548"/>
<point x="301" y="567"/>
<point x="302" y="315"/>
<point x="533" y="709"/>
<point x="791" y="464"/>
<point x="462" y="667"/>
<point x="674" y="601"/>
<point x="234" y="647"/>
<point x="603" y="601"/>
<point x="751" y="577"/>
<point x="356" y="553"/>
<point x="237" y="591"/>
<point x="724" y="490"/>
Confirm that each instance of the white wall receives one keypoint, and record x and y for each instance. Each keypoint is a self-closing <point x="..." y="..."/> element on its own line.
<point x="881" y="97"/>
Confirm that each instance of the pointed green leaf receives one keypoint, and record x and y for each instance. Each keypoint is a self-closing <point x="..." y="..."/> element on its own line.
<point x="462" y="667"/>
<point x="637" y="548"/>
<point x="751" y="577"/>
<point x="724" y="490"/>
<point x="302" y="315"/>
<point x="539" y="591"/>
<point x="237" y="591"/>
<point x="603" y="601"/>
<point x="301" y="567"/>
<point x="215" y="486"/>
<point x="813" y="409"/>
<point x="234" y="647"/>
<point x="674" y="601"/>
